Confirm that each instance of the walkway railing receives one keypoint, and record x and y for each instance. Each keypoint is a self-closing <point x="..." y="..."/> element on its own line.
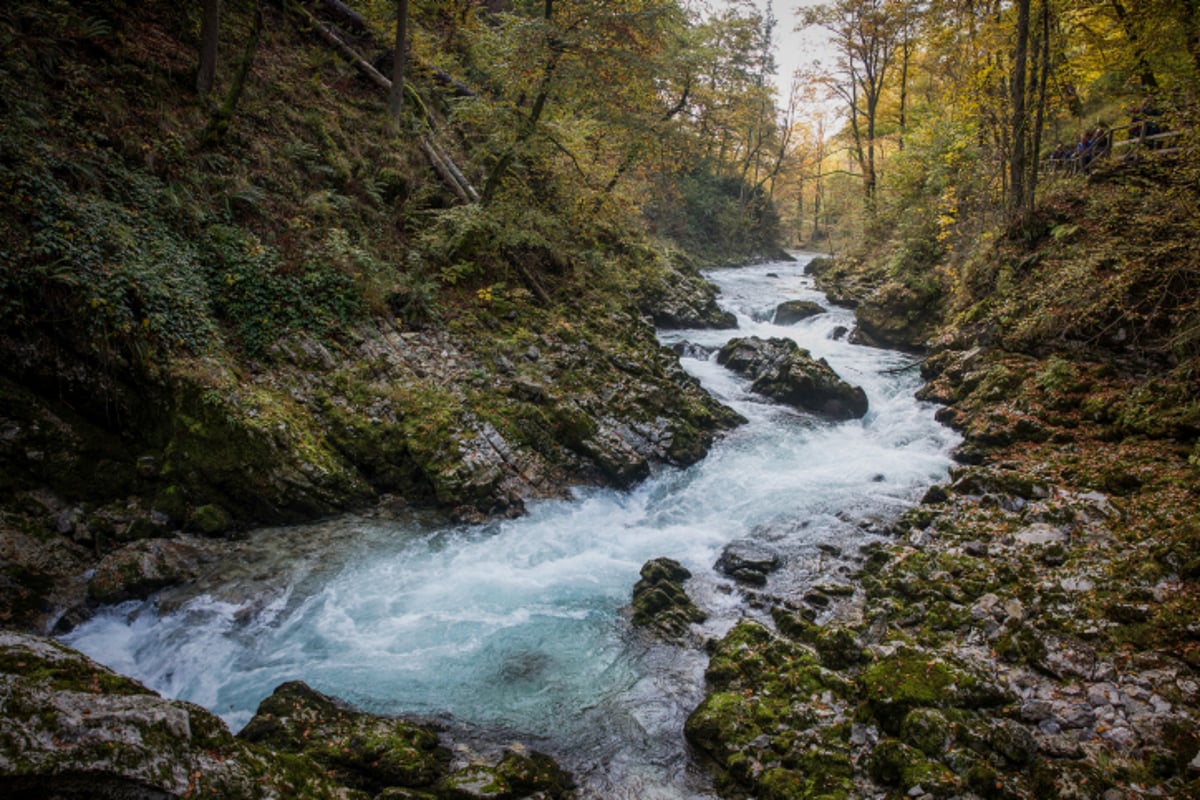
<point x="1139" y="137"/>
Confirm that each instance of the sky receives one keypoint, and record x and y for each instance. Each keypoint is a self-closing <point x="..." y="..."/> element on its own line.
<point x="796" y="49"/>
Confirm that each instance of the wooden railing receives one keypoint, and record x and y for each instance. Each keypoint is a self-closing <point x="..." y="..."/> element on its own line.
<point x="1138" y="138"/>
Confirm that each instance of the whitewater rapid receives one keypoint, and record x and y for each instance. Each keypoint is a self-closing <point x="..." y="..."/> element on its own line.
<point x="518" y="629"/>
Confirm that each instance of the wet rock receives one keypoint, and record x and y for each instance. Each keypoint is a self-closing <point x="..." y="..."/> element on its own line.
<point x="693" y="350"/>
<point x="73" y="728"/>
<point x="782" y="371"/>
<point x="140" y="568"/>
<point x="363" y="751"/>
<point x="793" y="311"/>
<point x="748" y="562"/>
<point x="659" y="599"/>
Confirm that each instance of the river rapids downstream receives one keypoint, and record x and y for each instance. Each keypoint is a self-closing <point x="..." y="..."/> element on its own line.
<point x="519" y="629"/>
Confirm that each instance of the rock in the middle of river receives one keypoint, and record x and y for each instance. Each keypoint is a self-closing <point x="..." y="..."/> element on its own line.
<point x="783" y="371"/>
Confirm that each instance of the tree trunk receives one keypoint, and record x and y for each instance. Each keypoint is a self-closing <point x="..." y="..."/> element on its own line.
<point x="218" y="125"/>
<point x="1019" y="118"/>
<point x="906" y="52"/>
<point x="396" y="95"/>
<point x="210" y="26"/>
<point x="1039" y="118"/>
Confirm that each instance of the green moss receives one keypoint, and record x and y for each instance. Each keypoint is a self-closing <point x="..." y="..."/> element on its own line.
<point x="67" y="671"/>
<point x="364" y="751"/>
<point x="894" y="763"/>
<point x="926" y="729"/>
<point x="909" y="679"/>
<point x="474" y="782"/>
<point x="210" y="520"/>
<point x="824" y="783"/>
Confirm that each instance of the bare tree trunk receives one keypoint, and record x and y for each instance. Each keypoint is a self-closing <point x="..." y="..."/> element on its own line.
<point x="1039" y="118"/>
<point x="905" y="53"/>
<point x="396" y="95"/>
<point x="210" y="26"/>
<point x="1019" y="118"/>
<point x="218" y="125"/>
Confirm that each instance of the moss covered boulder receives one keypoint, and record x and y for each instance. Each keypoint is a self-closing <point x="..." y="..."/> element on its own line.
<point x="72" y="728"/>
<point x="898" y="315"/>
<point x="770" y="702"/>
<point x="910" y="678"/>
<point x="362" y="750"/>
<point x="659" y="599"/>
<point x="783" y="371"/>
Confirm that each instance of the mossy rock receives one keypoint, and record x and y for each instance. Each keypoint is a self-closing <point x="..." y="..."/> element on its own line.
<point x="534" y="772"/>
<point x="795" y="626"/>
<point x="364" y="751"/>
<point x="926" y="729"/>
<point x="210" y="520"/>
<point x="1013" y="740"/>
<point x="838" y="647"/>
<point x="826" y="782"/>
<point x="73" y="728"/>
<point x="908" y="679"/>
<point x="475" y="782"/>
<point x="750" y="656"/>
<point x="172" y="503"/>
<point x="893" y="763"/>
<point x="659" y="599"/>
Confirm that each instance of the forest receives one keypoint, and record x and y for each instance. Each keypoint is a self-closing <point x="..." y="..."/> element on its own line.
<point x="267" y="264"/>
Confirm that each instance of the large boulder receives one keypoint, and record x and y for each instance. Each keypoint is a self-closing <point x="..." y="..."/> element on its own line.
<point x="790" y="312"/>
<point x="783" y="371"/>
<point x="362" y="750"/>
<point x="72" y="728"/>
<point x="896" y="315"/>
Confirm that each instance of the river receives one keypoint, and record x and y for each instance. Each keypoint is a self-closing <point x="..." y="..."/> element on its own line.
<point x="518" y="629"/>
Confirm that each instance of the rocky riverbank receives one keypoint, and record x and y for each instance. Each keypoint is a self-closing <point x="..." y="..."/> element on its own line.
<point x="472" y="416"/>
<point x="1029" y="632"/>
<point x="72" y="728"/>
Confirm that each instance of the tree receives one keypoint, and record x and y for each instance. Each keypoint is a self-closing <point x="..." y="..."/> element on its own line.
<point x="210" y="25"/>
<point x="1019" y="133"/>
<point x="396" y="95"/>
<point x="866" y="34"/>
